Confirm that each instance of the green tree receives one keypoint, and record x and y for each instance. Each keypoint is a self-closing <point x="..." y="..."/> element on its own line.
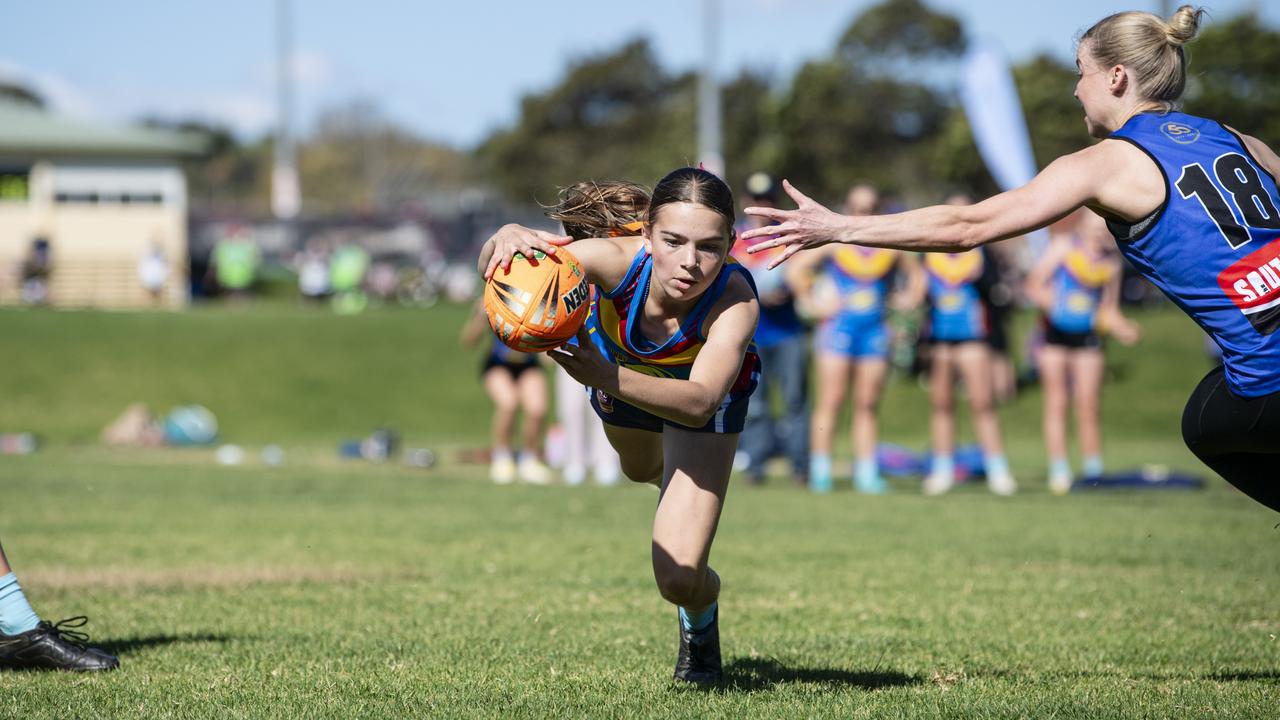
<point x="859" y="115"/>
<point x="617" y="115"/>
<point x="1232" y="75"/>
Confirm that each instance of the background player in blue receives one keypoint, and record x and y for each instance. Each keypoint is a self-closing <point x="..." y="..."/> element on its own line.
<point x="1191" y="202"/>
<point x="847" y="289"/>
<point x="668" y="352"/>
<point x="1076" y="285"/>
<point x="782" y="341"/>
<point x="957" y="332"/>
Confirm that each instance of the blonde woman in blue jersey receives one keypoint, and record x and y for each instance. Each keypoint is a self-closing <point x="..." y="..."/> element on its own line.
<point x="847" y="289"/>
<point x="668" y="359"/>
<point x="1076" y="285"/>
<point x="1192" y="203"/>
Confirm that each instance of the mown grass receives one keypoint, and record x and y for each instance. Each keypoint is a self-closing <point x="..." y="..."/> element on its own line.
<point x="337" y="589"/>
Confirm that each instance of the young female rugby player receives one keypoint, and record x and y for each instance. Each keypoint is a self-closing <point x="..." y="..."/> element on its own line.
<point x="667" y="354"/>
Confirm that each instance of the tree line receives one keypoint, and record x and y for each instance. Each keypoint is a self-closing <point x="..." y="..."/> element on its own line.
<point x="879" y="107"/>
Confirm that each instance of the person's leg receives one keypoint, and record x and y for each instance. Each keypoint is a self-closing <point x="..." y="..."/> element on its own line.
<point x="793" y="424"/>
<point x="869" y="375"/>
<point x="942" y="422"/>
<point x="759" y="436"/>
<point x="27" y="643"/>
<point x="571" y="411"/>
<point x="1235" y="436"/>
<point x="639" y="453"/>
<point x="605" y="464"/>
<point x="504" y="395"/>
<point x="833" y="380"/>
<point x="1087" y="366"/>
<point x="16" y="615"/>
<point x="532" y="385"/>
<point x="972" y="359"/>
<point x="1052" y="361"/>
<point x="695" y="477"/>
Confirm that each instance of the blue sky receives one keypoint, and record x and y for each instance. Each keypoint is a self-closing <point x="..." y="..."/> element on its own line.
<point x="452" y="72"/>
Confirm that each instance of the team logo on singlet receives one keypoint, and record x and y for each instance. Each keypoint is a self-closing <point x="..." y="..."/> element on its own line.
<point x="1253" y="284"/>
<point x="605" y="402"/>
<point x="1179" y="133"/>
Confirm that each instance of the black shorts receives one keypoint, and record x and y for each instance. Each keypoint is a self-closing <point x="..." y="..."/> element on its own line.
<point x="1071" y="340"/>
<point x="1238" y="437"/>
<point x="515" y="369"/>
<point x="729" y="419"/>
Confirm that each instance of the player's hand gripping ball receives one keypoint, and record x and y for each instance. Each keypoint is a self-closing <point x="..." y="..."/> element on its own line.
<point x="539" y="303"/>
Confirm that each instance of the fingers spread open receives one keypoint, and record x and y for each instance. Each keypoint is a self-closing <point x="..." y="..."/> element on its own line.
<point x="800" y="198"/>
<point x="792" y="250"/>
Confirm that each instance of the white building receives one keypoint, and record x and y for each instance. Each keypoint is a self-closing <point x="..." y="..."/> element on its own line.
<point x="103" y="197"/>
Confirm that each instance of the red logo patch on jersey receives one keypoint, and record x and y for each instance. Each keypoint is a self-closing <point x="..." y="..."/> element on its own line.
<point x="1253" y="284"/>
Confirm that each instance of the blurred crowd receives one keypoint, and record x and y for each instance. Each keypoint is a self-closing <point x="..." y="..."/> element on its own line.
<point x="836" y="324"/>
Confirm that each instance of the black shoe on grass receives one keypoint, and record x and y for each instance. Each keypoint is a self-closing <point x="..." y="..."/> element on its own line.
<point x="699" y="660"/>
<point x="54" y="647"/>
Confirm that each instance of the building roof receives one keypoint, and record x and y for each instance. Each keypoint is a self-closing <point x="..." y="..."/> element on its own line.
<point x="28" y="130"/>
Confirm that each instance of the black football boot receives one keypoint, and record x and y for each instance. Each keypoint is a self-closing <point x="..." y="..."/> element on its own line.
<point x="54" y="647"/>
<point x="699" y="660"/>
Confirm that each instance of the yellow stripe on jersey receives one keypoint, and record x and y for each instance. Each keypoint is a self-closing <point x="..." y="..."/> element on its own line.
<point x="955" y="268"/>
<point x="864" y="265"/>
<point x="1088" y="270"/>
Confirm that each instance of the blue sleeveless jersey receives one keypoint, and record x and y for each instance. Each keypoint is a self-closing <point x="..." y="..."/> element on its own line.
<point x="614" y="326"/>
<point x="861" y="277"/>
<point x="1214" y="245"/>
<point x="1077" y="290"/>
<point x="956" y="312"/>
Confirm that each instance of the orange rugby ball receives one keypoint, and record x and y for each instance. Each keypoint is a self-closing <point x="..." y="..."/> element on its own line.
<point x="539" y="303"/>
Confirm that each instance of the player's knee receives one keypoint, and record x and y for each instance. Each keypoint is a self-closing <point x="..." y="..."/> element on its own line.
<point x="642" y="471"/>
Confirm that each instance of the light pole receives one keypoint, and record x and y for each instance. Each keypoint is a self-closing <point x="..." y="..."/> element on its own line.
<point x="709" y="152"/>
<point x="286" y="195"/>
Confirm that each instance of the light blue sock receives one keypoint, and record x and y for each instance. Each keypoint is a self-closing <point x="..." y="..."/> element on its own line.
<point x="16" y="615"/>
<point x="1093" y="466"/>
<point x="866" y="477"/>
<point x="944" y="465"/>
<point x="1059" y="466"/>
<point x="820" y="473"/>
<point x="695" y="621"/>
<point x="995" y="465"/>
<point x="866" y="471"/>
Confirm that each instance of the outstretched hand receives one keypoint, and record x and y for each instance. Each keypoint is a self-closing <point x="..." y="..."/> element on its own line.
<point x="584" y="362"/>
<point x="810" y="225"/>
<point x="511" y="239"/>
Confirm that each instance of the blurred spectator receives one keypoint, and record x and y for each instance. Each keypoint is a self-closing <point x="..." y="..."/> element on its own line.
<point x="234" y="263"/>
<point x="1076" y="286"/>
<point x="997" y="288"/>
<point x="514" y="382"/>
<point x="35" y="271"/>
<point x="958" y="332"/>
<point x="848" y="290"/>
<point x="347" y="268"/>
<point x="153" y="272"/>
<point x="313" y="271"/>
<point x="781" y="339"/>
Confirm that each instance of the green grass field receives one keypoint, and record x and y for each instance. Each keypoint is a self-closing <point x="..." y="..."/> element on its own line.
<point x="328" y="588"/>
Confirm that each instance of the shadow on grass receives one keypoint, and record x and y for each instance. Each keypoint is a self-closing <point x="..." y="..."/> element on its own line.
<point x="762" y="673"/>
<point x="125" y="646"/>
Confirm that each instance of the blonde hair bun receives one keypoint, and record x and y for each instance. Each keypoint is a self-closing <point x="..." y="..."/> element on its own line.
<point x="1183" y="25"/>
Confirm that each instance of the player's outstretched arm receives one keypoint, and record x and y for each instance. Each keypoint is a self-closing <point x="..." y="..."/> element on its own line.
<point x="690" y="402"/>
<point x="1102" y="176"/>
